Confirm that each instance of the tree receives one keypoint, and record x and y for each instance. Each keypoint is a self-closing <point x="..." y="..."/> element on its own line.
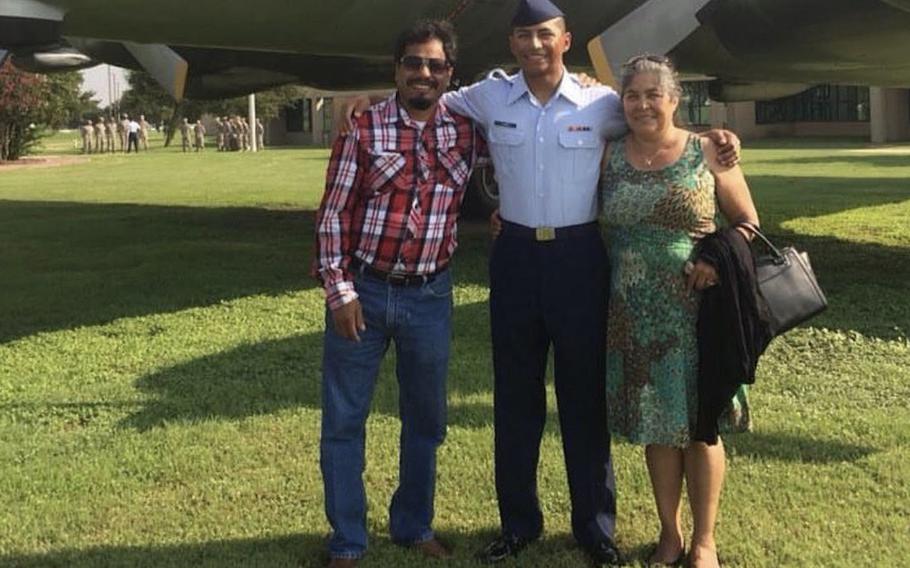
<point x="24" y="100"/>
<point x="31" y="103"/>
<point x="68" y="106"/>
<point x="268" y="103"/>
<point x="146" y="96"/>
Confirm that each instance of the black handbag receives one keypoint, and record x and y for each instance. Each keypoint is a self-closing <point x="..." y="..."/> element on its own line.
<point x="787" y="284"/>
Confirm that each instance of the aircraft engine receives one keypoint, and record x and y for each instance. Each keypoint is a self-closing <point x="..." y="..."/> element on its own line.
<point x="29" y="24"/>
<point x="49" y="60"/>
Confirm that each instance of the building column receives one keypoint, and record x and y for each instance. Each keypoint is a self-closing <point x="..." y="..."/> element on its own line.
<point x="318" y="121"/>
<point x="889" y="114"/>
<point x="738" y="117"/>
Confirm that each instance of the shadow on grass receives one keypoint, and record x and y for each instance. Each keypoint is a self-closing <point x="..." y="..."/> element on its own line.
<point x="781" y="446"/>
<point x="66" y="265"/>
<point x="866" y="284"/>
<point x="781" y="198"/>
<point x="270" y="376"/>
<point x="286" y="551"/>
<point x="274" y="375"/>
<point x="303" y="551"/>
<point x="871" y="160"/>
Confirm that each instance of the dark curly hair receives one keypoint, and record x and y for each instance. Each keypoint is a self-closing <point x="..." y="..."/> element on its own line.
<point x="426" y="30"/>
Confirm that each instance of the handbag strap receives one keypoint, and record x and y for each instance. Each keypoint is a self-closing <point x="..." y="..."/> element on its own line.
<point x="755" y="230"/>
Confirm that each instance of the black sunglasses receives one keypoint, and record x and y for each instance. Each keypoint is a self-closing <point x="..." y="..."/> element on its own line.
<point x="415" y="63"/>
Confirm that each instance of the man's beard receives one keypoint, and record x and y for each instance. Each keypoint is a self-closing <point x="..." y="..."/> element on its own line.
<point x="420" y="103"/>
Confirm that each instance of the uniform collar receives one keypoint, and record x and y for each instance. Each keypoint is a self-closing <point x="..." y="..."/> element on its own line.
<point x="568" y="88"/>
<point x="394" y="112"/>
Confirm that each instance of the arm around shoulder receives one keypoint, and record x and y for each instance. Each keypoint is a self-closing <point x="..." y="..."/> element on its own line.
<point x="733" y="195"/>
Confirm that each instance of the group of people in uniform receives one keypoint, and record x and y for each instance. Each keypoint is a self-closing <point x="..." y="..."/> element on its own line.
<point x="232" y="134"/>
<point x="99" y="136"/>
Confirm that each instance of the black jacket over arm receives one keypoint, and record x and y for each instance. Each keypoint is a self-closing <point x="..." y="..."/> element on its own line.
<point x="733" y="328"/>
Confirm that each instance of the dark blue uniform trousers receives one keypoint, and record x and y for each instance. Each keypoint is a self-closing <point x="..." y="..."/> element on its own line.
<point x="544" y="293"/>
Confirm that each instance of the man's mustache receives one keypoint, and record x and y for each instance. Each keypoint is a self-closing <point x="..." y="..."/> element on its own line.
<point x="427" y="82"/>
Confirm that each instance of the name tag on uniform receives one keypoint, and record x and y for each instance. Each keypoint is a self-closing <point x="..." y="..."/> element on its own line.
<point x="505" y="124"/>
<point x="579" y="128"/>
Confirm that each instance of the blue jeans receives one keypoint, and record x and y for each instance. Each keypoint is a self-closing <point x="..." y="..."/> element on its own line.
<point x="419" y="320"/>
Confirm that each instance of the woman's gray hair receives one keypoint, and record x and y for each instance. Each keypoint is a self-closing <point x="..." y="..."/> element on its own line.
<point x="656" y="64"/>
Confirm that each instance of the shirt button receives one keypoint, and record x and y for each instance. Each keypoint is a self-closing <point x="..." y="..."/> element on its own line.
<point x="541" y="138"/>
<point x="580" y="142"/>
<point x="541" y="166"/>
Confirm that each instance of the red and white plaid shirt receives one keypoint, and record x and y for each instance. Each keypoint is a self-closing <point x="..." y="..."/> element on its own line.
<point x="392" y="195"/>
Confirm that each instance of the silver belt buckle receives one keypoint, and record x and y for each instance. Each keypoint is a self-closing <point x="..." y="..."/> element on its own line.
<point x="397" y="279"/>
<point x="544" y="234"/>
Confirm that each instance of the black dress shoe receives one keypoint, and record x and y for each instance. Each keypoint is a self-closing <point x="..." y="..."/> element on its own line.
<point x="604" y="553"/>
<point x="502" y="548"/>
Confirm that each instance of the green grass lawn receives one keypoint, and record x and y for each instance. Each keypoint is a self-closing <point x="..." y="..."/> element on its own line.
<point x="160" y="346"/>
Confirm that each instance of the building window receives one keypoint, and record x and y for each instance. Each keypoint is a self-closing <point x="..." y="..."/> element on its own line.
<point x="298" y="116"/>
<point x="694" y="105"/>
<point x="824" y="103"/>
<point x="308" y="115"/>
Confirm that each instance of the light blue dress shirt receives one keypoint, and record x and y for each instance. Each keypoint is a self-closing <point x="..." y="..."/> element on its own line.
<point x="546" y="156"/>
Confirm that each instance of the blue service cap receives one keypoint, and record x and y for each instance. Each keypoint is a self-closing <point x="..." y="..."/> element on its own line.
<point x="533" y="12"/>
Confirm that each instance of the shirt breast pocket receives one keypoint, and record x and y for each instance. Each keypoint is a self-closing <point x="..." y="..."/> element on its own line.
<point x="386" y="171"/>
<point x="456" y="166"/>
<point x="505" y="146"/>
<point x="582" y="151"/>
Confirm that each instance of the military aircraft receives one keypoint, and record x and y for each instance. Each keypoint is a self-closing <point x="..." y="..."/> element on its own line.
<point x="750" y="49"/>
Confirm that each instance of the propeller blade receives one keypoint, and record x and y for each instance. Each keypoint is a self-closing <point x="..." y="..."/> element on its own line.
<point x="656" y="27"/>
<point x="162" y="63"/>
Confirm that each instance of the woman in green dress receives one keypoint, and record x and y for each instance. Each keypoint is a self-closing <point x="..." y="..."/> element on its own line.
<point x="662" y="190"/>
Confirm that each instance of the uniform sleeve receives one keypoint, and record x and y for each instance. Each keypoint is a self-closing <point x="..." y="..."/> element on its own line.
<point x="469" y="101"/>
<point x="333" y="222"/>
<point x="614" y="125"/>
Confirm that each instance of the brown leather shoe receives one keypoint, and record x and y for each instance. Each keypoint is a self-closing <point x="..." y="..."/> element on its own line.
<point x="342" y="563"/>
<point x="433" y="549"/>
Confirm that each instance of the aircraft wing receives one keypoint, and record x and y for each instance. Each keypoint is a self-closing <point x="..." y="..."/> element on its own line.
<point x="215" y="48"/>
<point x="760" y="49"/>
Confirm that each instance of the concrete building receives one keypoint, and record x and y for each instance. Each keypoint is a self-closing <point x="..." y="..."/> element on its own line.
<point x="877" y="114"/>
<point x="309" y="121"/>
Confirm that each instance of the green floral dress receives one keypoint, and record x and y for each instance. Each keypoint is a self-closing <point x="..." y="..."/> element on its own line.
<point x="652" y="220"/>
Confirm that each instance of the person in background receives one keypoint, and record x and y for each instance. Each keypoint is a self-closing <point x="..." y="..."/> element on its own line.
<point x="88" y="131"/>
<point x="260" y="134"/>
<point x="110" y="133"/>
<point x="143" y="132"/>
<point x="219" y="134"/>
<point x="132" y="128"/>
<point x="98" y="135"/>
<point x="124" y="130"/>
<point x="199" y="135"/>
<point x="185" y="128"/>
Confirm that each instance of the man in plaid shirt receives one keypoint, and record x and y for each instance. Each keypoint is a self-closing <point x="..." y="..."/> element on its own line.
<point x="385" y="234"/>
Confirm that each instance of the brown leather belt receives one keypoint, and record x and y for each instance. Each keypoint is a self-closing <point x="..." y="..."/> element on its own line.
<point x="394" y="278"/>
